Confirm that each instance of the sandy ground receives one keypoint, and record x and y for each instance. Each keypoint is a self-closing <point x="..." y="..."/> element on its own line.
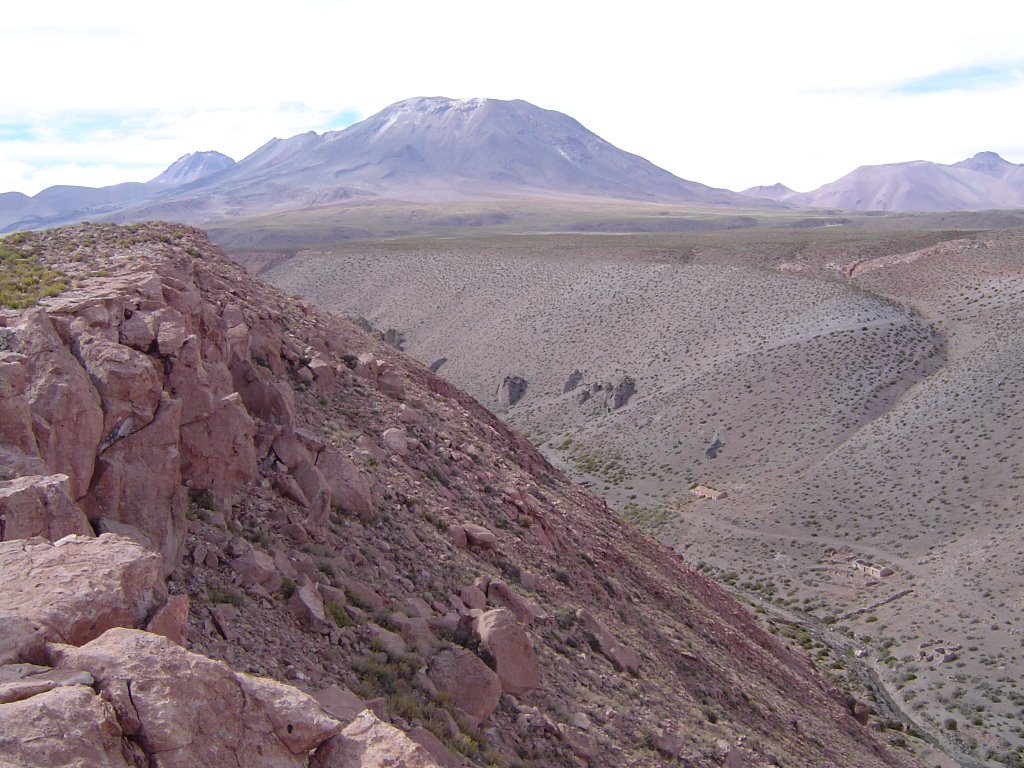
<point x="873" y="416"/>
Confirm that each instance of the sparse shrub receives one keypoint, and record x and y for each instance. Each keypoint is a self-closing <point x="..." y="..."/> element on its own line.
<point x="434" y="520"/>
<point x="357" y="601"/>
<point x="510" y="571"/>
<point x="287" y="588"/>
<point x="218" y="594"/>
<point x="341" y="618"/>
<point x="566" y="618"/>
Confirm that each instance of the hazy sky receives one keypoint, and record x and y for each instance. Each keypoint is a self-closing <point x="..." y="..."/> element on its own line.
<point x="730" y="94"/>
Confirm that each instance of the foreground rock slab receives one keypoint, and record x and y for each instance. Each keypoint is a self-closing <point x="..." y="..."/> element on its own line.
<point x="368" y="742"/>
<point x="79" y="587"/>
<point x="67" y="727"/>
<point x="187" y="710"/>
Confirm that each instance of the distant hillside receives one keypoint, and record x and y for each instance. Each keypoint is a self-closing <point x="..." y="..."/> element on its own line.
<point x="778" y="192"/>
<point x="985" y="181"/>
<point x="18" y="211"/>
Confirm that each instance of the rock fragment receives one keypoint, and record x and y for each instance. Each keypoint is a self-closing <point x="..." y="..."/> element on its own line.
<point x="507" y="641"/>
<point x="623" y="658"/>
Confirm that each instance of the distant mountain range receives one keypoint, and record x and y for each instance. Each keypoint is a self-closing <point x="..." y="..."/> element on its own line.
<point x="419" y="149"/>
<point x="64" y="203"/>
<point x="985" y="181"/>
<point x="436" y="149"/>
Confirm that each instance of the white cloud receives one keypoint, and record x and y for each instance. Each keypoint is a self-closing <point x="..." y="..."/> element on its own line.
<point x="730" y="94"/>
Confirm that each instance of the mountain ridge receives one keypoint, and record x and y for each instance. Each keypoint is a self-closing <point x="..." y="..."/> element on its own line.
<point x="424" y="148"/>
<point x="984" y="181"/>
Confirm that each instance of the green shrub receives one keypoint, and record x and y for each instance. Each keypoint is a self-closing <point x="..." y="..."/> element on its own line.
<point x="24" y="278"/>
<point x="217" y="594"/>
<point x="337" y="612"/>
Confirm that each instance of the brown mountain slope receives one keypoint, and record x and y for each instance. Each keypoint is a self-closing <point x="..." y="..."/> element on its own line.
<point x="356" y="521"/>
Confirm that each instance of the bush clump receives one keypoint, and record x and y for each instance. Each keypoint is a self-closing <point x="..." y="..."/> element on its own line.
<point x="25" y="279"/>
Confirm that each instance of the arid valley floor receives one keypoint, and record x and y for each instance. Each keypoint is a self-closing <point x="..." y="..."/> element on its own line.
<point x="853" y="384"/>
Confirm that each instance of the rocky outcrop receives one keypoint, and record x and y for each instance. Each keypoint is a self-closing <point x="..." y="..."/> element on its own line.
<point x="340" y="703"/>
<point x="21" y="681"/>
<point x="141" y="392"/>
<point x="381" y="375"/>
<point x="218" y="453"/>
<point x="394" y="337"/>
<point x="472" y="535"/>
<point x="308" y="608"/>
<point x="22" y="641"/>
<point x="608" y="395"/>
<point x="574" y="380"/>
<point x="79" y="587"/>
<point x="137" y="482"/>
<point x="171" y="620"/>
<point x="397" y="441"/>
<point x="38" y="505"/>
<point x="511" y="391"/>
<point x="716" y="444"/>
<point x="617" y="395"/>
<point x="525" y="610"/>
<point x="189" y="710"/>
<point x="349" y="488"/>
<point x="65" y="410"/>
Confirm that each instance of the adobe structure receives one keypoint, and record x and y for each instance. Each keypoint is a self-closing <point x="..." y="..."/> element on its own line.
<point x="705" y="492"/>
<point x="872" y="569"/>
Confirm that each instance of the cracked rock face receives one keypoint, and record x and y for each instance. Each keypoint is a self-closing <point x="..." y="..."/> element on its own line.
<point x="40" y="505"/>
<point x="65" y="727"/>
